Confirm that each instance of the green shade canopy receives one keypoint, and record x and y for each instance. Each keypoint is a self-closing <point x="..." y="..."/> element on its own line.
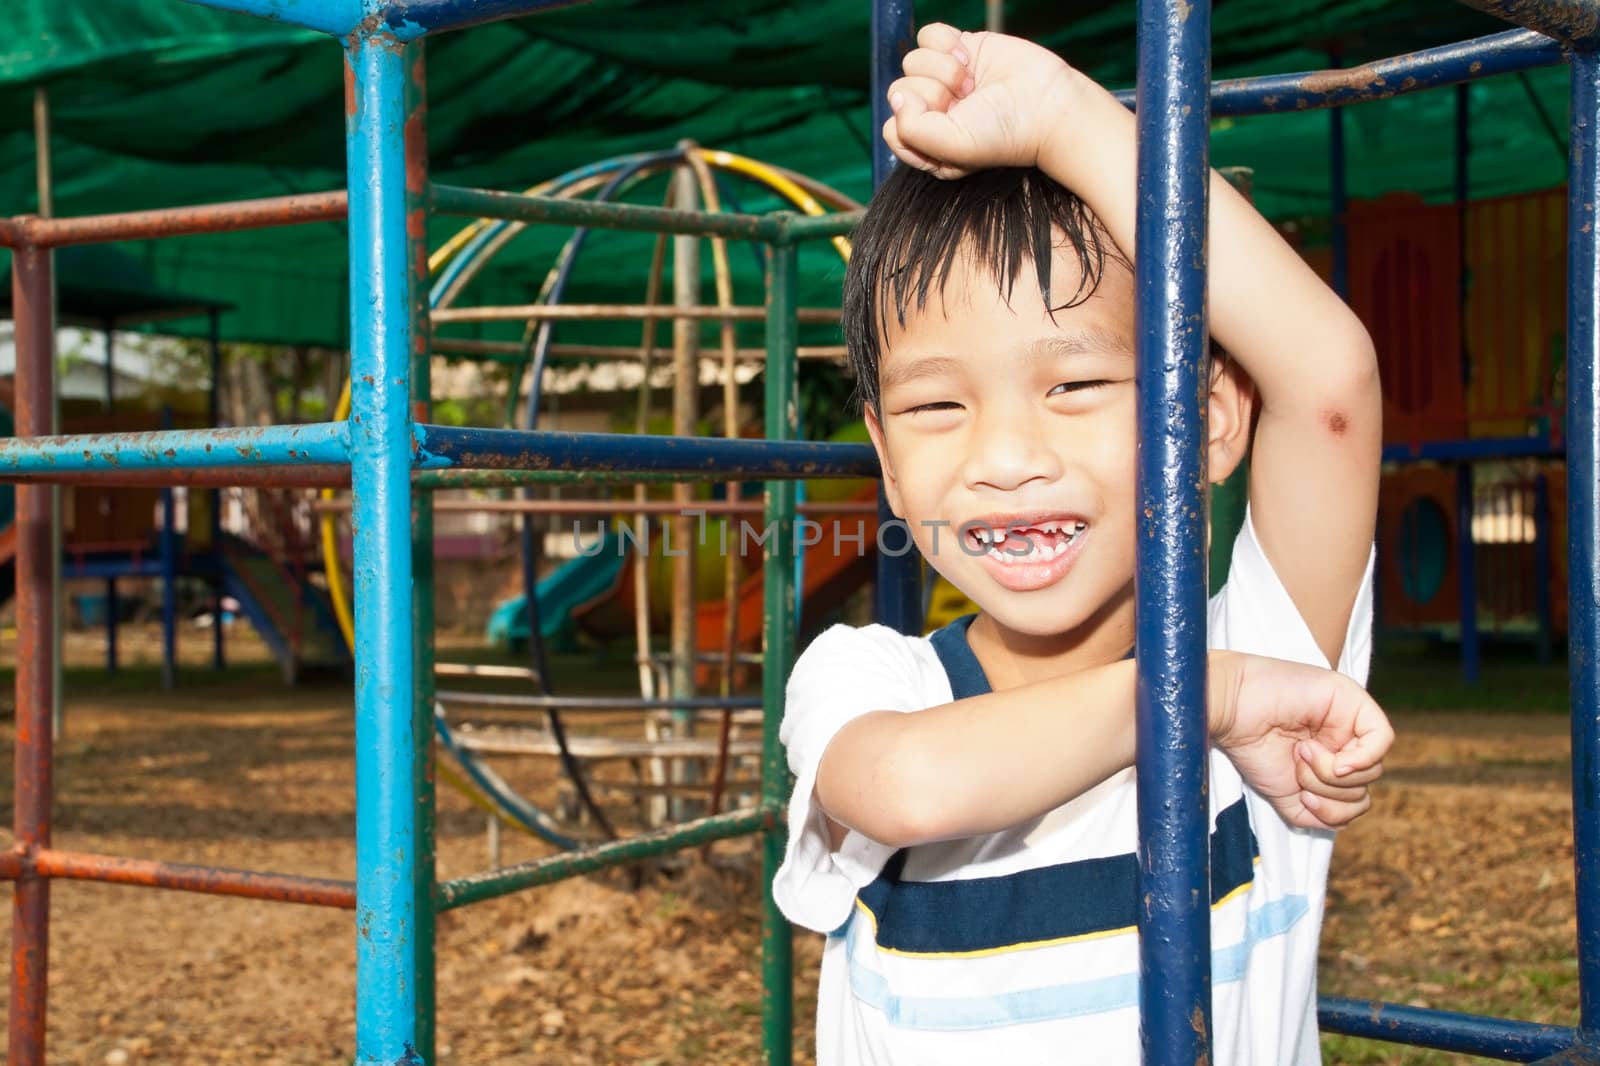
<point x="160" y="103"/>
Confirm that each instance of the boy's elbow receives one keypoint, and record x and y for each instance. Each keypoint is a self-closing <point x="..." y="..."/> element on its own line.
<point x="886" y="795"/>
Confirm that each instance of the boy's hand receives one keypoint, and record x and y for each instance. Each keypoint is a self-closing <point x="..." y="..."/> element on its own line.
<point x="970" y="101"/>
<point x="1309" y="740"/>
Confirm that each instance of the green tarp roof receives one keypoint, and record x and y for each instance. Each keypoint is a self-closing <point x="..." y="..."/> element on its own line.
<point x="159" y="103"/>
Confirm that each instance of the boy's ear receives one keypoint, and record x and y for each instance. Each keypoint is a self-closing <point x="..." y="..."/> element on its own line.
<point x="891" y="484"/>
<point x="1231" y="417"/>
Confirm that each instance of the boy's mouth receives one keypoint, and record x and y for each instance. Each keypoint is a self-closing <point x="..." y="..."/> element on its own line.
<point x="1020" y="540"/>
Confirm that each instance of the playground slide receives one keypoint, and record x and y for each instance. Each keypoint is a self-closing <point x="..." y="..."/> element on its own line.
<point x="293" y="617"/>
<point x="563" y="594"/>
<point x="830" y="573"/>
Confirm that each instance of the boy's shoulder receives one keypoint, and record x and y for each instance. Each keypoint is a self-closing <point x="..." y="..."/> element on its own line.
<point x="871" y="667"/>
<point x="841" y="651"/>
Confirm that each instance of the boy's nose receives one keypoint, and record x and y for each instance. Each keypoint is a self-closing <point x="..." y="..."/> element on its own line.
<point x="1010" y="449"/>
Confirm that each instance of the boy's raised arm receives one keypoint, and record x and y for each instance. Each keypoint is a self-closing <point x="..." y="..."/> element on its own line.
<point x="974" y="100"/>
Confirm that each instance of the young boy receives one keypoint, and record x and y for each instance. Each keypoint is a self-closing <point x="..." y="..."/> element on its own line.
<point x="973" y="862"/>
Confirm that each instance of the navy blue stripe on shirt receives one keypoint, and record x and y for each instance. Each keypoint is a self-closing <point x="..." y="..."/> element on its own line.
<point x="1045" y="904"/>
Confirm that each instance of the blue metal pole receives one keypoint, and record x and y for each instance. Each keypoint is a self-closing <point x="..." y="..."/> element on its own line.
<point x="169" y="578"/>
<point x="897" y="597"/>
<point x="1466" y="554"/>
<point x="519" y="449"/>
<point x="214" y="418"/>
<point x="1431" y="68"/>
<point x="1174" y="858"/>
<point x="1467" y="571"/>
<point x="111" y="582"/>
<point x="336" y="17"/>
<point x="319" y="443"/>
<point x="380" y="441"/>
<point x="1583" y="519"/>
<point x="1542" y="565"/>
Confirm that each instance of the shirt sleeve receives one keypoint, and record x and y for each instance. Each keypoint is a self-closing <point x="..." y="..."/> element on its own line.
<point x="1253" y="613"/>
<point x="845" y="673"/>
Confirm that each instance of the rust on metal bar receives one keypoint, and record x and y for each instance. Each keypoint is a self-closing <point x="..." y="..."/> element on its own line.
<point x="31" y="294"/>
<point x="185" y="877"/>
<point x="518" y="352"/>
<point x="1572" y="22"/>
<point x="621" y="506"/>
<point x="11" y="235"/>
<point x="619" y="312"/>
<point x="11" y="865"/>
<point x="186" y="221"/>
<point x="312" y="476"/>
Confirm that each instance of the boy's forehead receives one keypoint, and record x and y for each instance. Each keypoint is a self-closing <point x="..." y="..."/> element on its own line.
<point x="1100" y="320"/>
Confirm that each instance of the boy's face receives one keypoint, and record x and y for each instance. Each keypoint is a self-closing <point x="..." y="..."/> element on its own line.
<point x="1007" y="441"/>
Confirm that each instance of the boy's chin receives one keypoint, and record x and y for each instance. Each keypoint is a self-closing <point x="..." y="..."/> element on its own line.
<point x="1031" y="614"/>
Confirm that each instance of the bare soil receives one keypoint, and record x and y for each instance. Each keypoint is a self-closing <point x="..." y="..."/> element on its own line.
<point x="1456" y="892"/>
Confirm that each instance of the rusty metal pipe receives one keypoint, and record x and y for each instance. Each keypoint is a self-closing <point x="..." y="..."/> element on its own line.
<point x="1572" y="22"/>
<point x="619" y="312"/>
<point x="185" y="221"/>
<point x="31" y="292"/>
<point x="313" y="476"/>
<point x="575" y="506"/>
<point x="514" y="352"/>
<point x="187" y="877"/>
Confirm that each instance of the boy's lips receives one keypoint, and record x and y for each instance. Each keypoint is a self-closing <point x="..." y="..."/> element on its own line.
<point x="1025" y="551"/>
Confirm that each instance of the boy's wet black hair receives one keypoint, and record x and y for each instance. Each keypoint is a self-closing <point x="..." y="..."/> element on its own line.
<point x="917" y="228"/>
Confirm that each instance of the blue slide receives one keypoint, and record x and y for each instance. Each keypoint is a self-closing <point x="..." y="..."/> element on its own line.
<point x="573" y="585"/>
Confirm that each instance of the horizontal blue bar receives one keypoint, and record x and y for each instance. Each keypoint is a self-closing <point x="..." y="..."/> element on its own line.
<point x="338" y="17"/>
<point x="318" y="443"/>
<point x="1474" y="448"/>
<point x="1466" y="1034"/>
<point x="596" y="703"/>
<point x="410" y="19"/>
<point x="1431" y="68"/>
<point x="694" y="457"/>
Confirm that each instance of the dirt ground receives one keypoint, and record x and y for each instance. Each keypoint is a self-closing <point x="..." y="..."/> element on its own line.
<point x="1456" y="892"/>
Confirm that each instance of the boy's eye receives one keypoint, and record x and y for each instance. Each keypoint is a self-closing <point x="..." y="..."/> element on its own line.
<point x="1077" y="386"/>
<point x="937" y="405"/>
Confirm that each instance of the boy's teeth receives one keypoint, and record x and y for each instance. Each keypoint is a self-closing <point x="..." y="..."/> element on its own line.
<point x="995" y="540"/>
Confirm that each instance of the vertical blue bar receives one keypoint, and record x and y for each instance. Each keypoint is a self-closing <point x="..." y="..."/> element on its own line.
<point x="169" y="578"/>
<point x="109" y="330"/>
<point x="1174" y="857"/>
<point x="1541" y="566"/>
<point x="214" y="418"/>
<point x="898" y="591"/>
<point x="1467" y="574"/>
<point x="380" y="441"/>
<point x="1583" y="519"/>
<point x="1466" y="554"/>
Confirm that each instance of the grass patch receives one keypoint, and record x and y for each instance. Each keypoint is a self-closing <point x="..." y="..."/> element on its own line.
<point x="1412" y="674"/>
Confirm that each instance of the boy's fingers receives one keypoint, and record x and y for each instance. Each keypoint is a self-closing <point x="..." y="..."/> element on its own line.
<point x="942" y="67"/>
<point x="908" y="156"/>
<point x="1334" y="814"/>
<point x="923" y="124"/>
<point x="1307" y="778"/>
<point x="1367" y="749"/>
<point x="1333" y="768"/>
<point x="914" y="94"/>
<point x="939" y="35"/>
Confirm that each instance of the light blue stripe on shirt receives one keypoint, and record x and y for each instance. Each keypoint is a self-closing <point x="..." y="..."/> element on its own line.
<point x="1057" y="1001"/>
